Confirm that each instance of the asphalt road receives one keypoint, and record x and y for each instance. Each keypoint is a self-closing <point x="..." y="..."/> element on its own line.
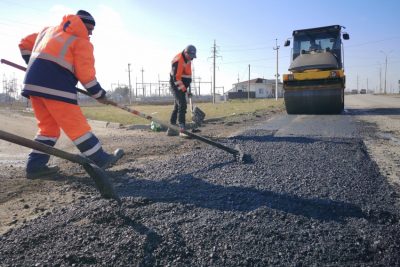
<point x="344" y="125"/>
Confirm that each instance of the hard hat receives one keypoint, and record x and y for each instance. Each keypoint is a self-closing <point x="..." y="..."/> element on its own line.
<point x="191" y="50"/>
<point x="86" y="17"/>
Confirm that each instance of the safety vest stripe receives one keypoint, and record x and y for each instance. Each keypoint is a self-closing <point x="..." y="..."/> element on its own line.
<point x="45" y="90"/>
<point x="59" y="61"/>
<point x="66" y="45"/>
<point x="37" y="151"/>
<point x="26" y="52"/>
<point x="39" y="38"/>
<point x="45" y="138"/>
<point x="98" y="94"/>
<point x="83" y="138"/>
<point x="186" y="76"/>
<point x="93" y="150"/>
<point x="90" y="84"/>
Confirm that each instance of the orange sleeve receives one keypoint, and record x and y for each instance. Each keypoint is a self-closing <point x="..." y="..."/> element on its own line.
<point x="26" y="46"/>
<point x="28" y="42"/>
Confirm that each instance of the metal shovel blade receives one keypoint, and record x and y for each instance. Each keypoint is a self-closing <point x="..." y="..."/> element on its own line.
<point x="101" y="180"/>
<point x="198" y="115"/>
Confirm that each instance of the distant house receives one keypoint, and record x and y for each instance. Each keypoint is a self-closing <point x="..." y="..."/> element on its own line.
<point x="259" y="88"/>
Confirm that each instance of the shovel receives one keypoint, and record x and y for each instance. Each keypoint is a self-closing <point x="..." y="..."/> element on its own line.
<point x="197" y="114"/>
<point x="96" y="173"/>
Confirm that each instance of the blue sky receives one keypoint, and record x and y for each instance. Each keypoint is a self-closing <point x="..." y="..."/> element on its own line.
<point x="148" y="34"/>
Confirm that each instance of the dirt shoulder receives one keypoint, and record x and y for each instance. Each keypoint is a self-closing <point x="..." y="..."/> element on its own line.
<point x="382" y="112"/>
<point x="22" y="200"/>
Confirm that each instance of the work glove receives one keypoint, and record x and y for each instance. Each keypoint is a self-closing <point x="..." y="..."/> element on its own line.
<point x="184" y="89"/>
<point x="104" y="100"/>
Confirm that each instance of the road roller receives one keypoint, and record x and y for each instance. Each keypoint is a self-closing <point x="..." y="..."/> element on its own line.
<point x="316" y="82"/>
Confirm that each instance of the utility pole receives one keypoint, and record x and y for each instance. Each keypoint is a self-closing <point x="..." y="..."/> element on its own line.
<point x="199" y="85"/>
<point x="159" y="86"/>
<point x="248" y="90"/>
<point x="277" y="71"/>
<point x="130" y="87"/>
<point x="214" y="54"/>
<point x="386" y="59"/>
<point x="135" y="86"/>
<point x="142" y="70"/>
<point x="194" y="81"/>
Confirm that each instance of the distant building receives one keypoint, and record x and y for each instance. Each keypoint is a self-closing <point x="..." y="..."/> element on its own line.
<point x="259" y="88"/>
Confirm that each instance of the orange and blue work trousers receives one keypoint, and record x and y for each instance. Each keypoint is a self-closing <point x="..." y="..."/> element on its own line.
<point x="53" y="115"/>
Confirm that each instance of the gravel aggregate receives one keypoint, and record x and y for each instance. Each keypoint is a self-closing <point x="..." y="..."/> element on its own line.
<point x="299" y="201"/>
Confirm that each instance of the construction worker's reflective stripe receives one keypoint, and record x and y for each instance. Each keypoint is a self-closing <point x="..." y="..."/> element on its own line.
<point x="39" y="38"/>
<point x="186" y="76"/>
<point x="26" y="52"/>
<point x="88" y="144"/>
<point x="45" y="90"/>
<point x="98" y="94"/>
<point x="37" y="152"/>
<point x="83" y="138"/>
<point x="57" y="60"/>
<point x="93" y="150"/>
<point x="90" y="84"/>
<point x="66" y="45"/>
<point x="45" y="138"/>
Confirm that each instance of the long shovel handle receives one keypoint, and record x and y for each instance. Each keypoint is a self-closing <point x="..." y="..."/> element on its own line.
<point x="232" y="151"/>
<point x="42" y="147"/>
<point x="12" y="64"/>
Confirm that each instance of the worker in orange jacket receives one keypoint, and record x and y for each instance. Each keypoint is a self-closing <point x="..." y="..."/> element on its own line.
<point x="180" y="79"/>
<point x="58" y="57"/>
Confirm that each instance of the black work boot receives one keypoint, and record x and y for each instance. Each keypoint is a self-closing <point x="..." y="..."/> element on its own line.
<point x="172" y="132"/>
<point x="112" y="159"/>
<point x="43" y="172"/>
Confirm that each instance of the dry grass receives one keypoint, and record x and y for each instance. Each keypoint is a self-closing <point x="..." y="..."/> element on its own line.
<point x="96" y="111"/>
<point x="162" y="112"/>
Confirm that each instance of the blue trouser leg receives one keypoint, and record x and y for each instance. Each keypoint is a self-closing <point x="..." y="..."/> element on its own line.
<point x="90" y="147"/>
<point x="36" y="159"/>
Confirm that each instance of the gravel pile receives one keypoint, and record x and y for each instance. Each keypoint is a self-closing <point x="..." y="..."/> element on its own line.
<point x="299" y="202"/>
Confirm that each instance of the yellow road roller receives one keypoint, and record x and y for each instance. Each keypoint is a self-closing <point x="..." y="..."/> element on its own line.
<point x="316" y="82"/>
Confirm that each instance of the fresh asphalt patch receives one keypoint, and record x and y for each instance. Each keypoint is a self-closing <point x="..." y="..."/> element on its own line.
<point x="301" y="201"/>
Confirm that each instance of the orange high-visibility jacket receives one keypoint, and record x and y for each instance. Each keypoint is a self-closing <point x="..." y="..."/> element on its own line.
<point x="58" y="58"/>
<point x="181" y="72"/>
